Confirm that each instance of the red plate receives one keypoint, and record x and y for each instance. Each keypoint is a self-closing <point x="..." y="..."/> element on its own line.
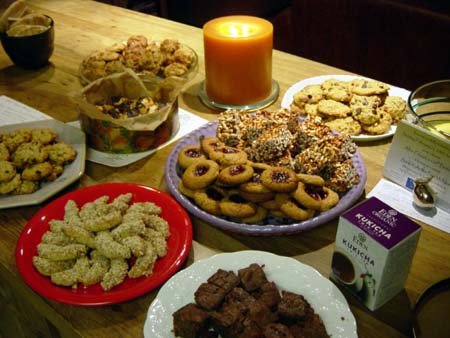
<point x="179" y="243"/>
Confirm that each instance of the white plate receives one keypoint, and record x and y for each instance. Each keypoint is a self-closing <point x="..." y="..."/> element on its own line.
<point x="396" y="91"/>
<point x="72" y="171"/>
<point x="288" y="273"/>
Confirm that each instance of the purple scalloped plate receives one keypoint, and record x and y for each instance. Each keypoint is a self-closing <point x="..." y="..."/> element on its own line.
<point x="272" y="226"/>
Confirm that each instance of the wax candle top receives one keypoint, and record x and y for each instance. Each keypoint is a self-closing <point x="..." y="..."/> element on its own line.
<point x="238" y="27"/>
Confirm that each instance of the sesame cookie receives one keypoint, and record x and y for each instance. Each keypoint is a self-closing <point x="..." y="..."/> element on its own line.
<point x="395" y="106"/>
<point x="333" y="108"/>
<point x="28" y="154"/>
<point x="7" y="171"/>
<point x="346" y="125"/>
<point x="364" y="108"/>
<point x="368" y="87"/>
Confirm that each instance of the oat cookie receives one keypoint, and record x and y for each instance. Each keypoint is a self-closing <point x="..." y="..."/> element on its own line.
<point x="333" y="108"/>
<point x="11" y="185"/>
<point x="396" y="107"/>
<point x="7" y="171"/>
<point x="336" y="90"/>
<point x="364" y="108"/>
<point x="381" y="126"/>
<point x="26" y="187"/>
<point x="37" y="171"/>
<point x="14" y="139"/>
<point x="309" y="94"/>
<point x="43" y="135"/>
<point x="28" y="154"/>
<point x="4" y="152"/>
<point x="368" y="87"/>
<point x="61" y="153"/>
<point x="346" y="125"/>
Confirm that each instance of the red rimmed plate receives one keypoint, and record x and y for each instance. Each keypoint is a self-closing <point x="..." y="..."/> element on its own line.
<point x="179" y="244"/>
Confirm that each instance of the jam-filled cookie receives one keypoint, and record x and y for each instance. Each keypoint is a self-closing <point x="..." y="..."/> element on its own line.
<point x="208" y="144"/>
<point x="235" y="174"/>
<point x="228" y="155"/>
<point x="189" y="155"/>
<point x="235" y="206"/>
<point x="200" y="174"/>
<point x="209" y="199"/>
<point x="279" y="179"/>
<point x="185" y="191"/>
<point x="311" y="179"/>
<point x="255" y="191"/>
<point x="315" y="197"/>
<point x="258" y="217"/>
<point x="292" y="209"/>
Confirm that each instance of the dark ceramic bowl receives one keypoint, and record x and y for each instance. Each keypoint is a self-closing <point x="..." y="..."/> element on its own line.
<point x="30" y="52"/>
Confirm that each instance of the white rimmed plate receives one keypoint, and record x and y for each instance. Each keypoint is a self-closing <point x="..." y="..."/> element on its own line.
<point x="395" y="91"/>
<point x="72" y="171"/>
<point x="288" y="274"/>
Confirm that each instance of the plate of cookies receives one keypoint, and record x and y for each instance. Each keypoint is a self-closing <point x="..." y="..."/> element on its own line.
<point x="148" y="58"/>
<point x="265" y="173"/>
<point x="37" y="160"/>
<point x="303" y="299"/>
<point x="365" y="109"/>
<point x="104" y="244"/>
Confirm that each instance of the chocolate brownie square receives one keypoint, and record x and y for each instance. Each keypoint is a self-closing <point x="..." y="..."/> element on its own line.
<point x="252" y="277"/>
<point x="209" y="296"/>
<point x="189" y="320"/>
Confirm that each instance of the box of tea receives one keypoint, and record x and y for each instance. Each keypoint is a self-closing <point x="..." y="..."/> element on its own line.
<point x="374" y="248"/>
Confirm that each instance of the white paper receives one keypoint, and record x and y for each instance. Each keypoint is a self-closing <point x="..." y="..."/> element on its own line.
<point x="12" y="112"/>
<point x="417" y="153"/>
<point x="401" y="199"/>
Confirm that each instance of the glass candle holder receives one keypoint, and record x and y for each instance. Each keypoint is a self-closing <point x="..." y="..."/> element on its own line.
<point x="238" y="63"/>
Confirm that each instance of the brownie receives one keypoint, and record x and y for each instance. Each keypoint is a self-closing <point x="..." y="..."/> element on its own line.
<point x="268" y="294"/>
<point x="226" y="280"/>
<point x="228" y="320"/>
<point x="311" y="327"/>
<point x="239" y="297"/>
<point x="209" y="296"/>
<point x="292" y="305"/>
<point x="189" y="320"/>
<point x="252" y="277"/>
<point x="261" y="314"/>
<point x="277" y="330"/>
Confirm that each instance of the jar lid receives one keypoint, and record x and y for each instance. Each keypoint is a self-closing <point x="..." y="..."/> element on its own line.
<point x="431" y="313"/>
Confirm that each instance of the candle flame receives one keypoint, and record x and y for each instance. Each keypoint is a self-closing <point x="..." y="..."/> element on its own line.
<point x="237" y="30"/>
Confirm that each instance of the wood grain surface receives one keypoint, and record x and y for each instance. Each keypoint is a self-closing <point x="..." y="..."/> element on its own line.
<point x="83" y="26"/>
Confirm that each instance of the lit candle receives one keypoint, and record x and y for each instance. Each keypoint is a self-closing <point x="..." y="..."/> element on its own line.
<point x="238" y="59"/>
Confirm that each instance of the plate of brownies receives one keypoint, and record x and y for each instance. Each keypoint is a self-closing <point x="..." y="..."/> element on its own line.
<point x="249" y="294"/>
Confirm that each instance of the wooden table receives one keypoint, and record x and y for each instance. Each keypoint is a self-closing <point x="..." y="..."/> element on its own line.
<point x="83" y="26"/>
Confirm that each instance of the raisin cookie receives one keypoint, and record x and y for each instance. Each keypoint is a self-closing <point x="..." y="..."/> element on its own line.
<point x="395" y="106"/>
<point x="364" y="108"/>
<point x="366" y="87"/>
<point x="336" y="90"/>
<point x="346" y="125"/>
<point x="333" y="108"/>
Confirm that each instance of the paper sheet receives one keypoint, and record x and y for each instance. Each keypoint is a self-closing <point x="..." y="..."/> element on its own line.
<point x="401" y="199"/>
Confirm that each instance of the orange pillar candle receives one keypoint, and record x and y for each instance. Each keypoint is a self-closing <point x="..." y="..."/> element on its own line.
<point x="238" y="59"/>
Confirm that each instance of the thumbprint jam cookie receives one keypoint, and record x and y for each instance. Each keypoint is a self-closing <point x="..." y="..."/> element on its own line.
<point x="189" y="155"/>
<point x="200" y="174"/>
<point x="315" y="197"/>
<point x="279" y="179"/>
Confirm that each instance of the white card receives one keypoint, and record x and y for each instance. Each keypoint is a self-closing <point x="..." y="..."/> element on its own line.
<point x="417" y="153"/>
